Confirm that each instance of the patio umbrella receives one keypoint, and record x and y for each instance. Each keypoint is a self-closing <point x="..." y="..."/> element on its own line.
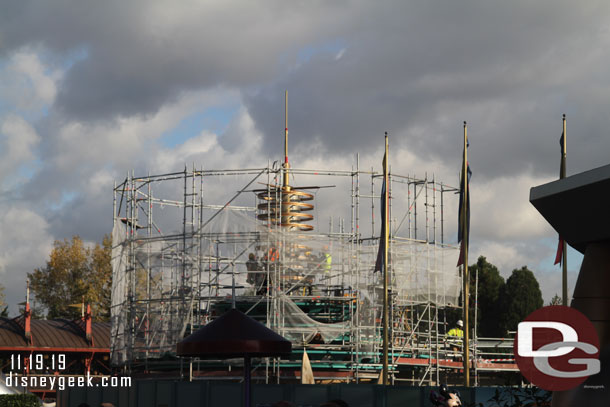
<point x="234" y="334"/>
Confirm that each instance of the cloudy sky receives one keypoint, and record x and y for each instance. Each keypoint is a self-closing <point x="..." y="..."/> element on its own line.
<point x="92" y="89"/>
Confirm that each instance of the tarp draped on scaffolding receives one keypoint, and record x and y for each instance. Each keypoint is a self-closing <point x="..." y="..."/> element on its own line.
<point x="119" y="299"/>
<point x="315" y="287"/>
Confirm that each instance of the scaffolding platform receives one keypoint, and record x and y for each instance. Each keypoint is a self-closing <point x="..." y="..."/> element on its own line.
<point x="189" y="244"/>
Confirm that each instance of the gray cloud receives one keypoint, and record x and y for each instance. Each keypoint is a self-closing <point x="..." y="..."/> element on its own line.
<point x="118" y="75"/>
<point x="510" y="70"/>
<point x="141" y="54"/>
<point x="416" y="69"/>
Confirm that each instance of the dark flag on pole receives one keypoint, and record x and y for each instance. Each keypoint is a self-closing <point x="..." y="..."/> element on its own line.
<point x="562" y="169"/>
<point x="559" y="254"/>
<point x="384" y="204"/>
<point x="464" y="222"/>
<point x="562" y="174"/>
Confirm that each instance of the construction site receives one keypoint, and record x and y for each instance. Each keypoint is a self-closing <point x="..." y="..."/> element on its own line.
<point x="181" y="256"/>
<point x="296" y="250"/>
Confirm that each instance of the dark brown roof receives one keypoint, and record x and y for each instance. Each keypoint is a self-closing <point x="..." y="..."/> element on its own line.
<point x="54" y="334"/>
<point x="234" y="334"/>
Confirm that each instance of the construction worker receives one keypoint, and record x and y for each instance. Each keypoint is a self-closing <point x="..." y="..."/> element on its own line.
<point x="454" y="338"/>
<point x="273" y="256"/>
<point x="257" y="275"/>
<point x="457" y="331"/>
<point x="328" y="260"/>
<point x="252" y="265"/>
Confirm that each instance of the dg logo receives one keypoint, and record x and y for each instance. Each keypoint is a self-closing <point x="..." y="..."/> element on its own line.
<point x="557" y="348"/>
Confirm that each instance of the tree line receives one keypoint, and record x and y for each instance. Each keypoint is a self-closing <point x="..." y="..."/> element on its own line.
<point x="502" y="304"/>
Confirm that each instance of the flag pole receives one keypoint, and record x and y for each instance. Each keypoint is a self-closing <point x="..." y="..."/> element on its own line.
<point x="286" y="164"/>
<point x="465" y="264"/>
<point x="385" y="267"/>
<point x="562" y="175"/>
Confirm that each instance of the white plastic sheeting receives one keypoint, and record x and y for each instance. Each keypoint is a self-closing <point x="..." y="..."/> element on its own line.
<point x="163" y="284"/>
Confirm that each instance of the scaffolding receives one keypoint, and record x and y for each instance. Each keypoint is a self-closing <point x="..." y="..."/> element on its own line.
<point x="188" y="244"/>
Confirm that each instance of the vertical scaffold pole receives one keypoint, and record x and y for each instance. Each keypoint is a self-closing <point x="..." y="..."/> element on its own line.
<point x="386" y="322"/>
<point x="564" y="270"/>
<point x="465" y="265"/>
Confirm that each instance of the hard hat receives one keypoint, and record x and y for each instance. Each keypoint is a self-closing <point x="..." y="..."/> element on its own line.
<point x="460" y="323"/>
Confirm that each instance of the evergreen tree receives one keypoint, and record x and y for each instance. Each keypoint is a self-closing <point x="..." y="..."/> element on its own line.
<point x="491" y="284"/>
<point x="520" y="297"/>
<point x="556" y="300"/>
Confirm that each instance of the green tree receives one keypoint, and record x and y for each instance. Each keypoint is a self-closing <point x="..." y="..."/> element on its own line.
<point x="556" y="300"/>
<point x="491" y="284"/>
<point x="74" y="272"/>
<point x="488" y="303"/>
<point x="452" y="315"/>
<point x="520" y="297"/>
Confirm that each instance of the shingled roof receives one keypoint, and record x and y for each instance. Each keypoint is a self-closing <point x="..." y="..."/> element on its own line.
<point x="54" y="335"/>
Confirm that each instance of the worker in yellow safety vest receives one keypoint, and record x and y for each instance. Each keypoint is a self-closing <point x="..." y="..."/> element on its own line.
<point x="454" y="338"/>
<point x="328" y="260"/>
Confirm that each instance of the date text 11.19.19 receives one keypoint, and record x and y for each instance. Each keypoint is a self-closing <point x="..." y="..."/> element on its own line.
<point x="38" y="361"/>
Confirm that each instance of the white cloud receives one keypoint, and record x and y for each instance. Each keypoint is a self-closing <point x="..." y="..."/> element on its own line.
<point x="500" y="208"/>
<point x="129" y="142"/>
<point x="239" y="146"/>
<point x="508" y="255"/>
<point x="28" y="82"/>
<point x="44" y="86"/>
<point x="25" y="243"/>
<point x="99" y="183"/>
<point x="18" y="140"/>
